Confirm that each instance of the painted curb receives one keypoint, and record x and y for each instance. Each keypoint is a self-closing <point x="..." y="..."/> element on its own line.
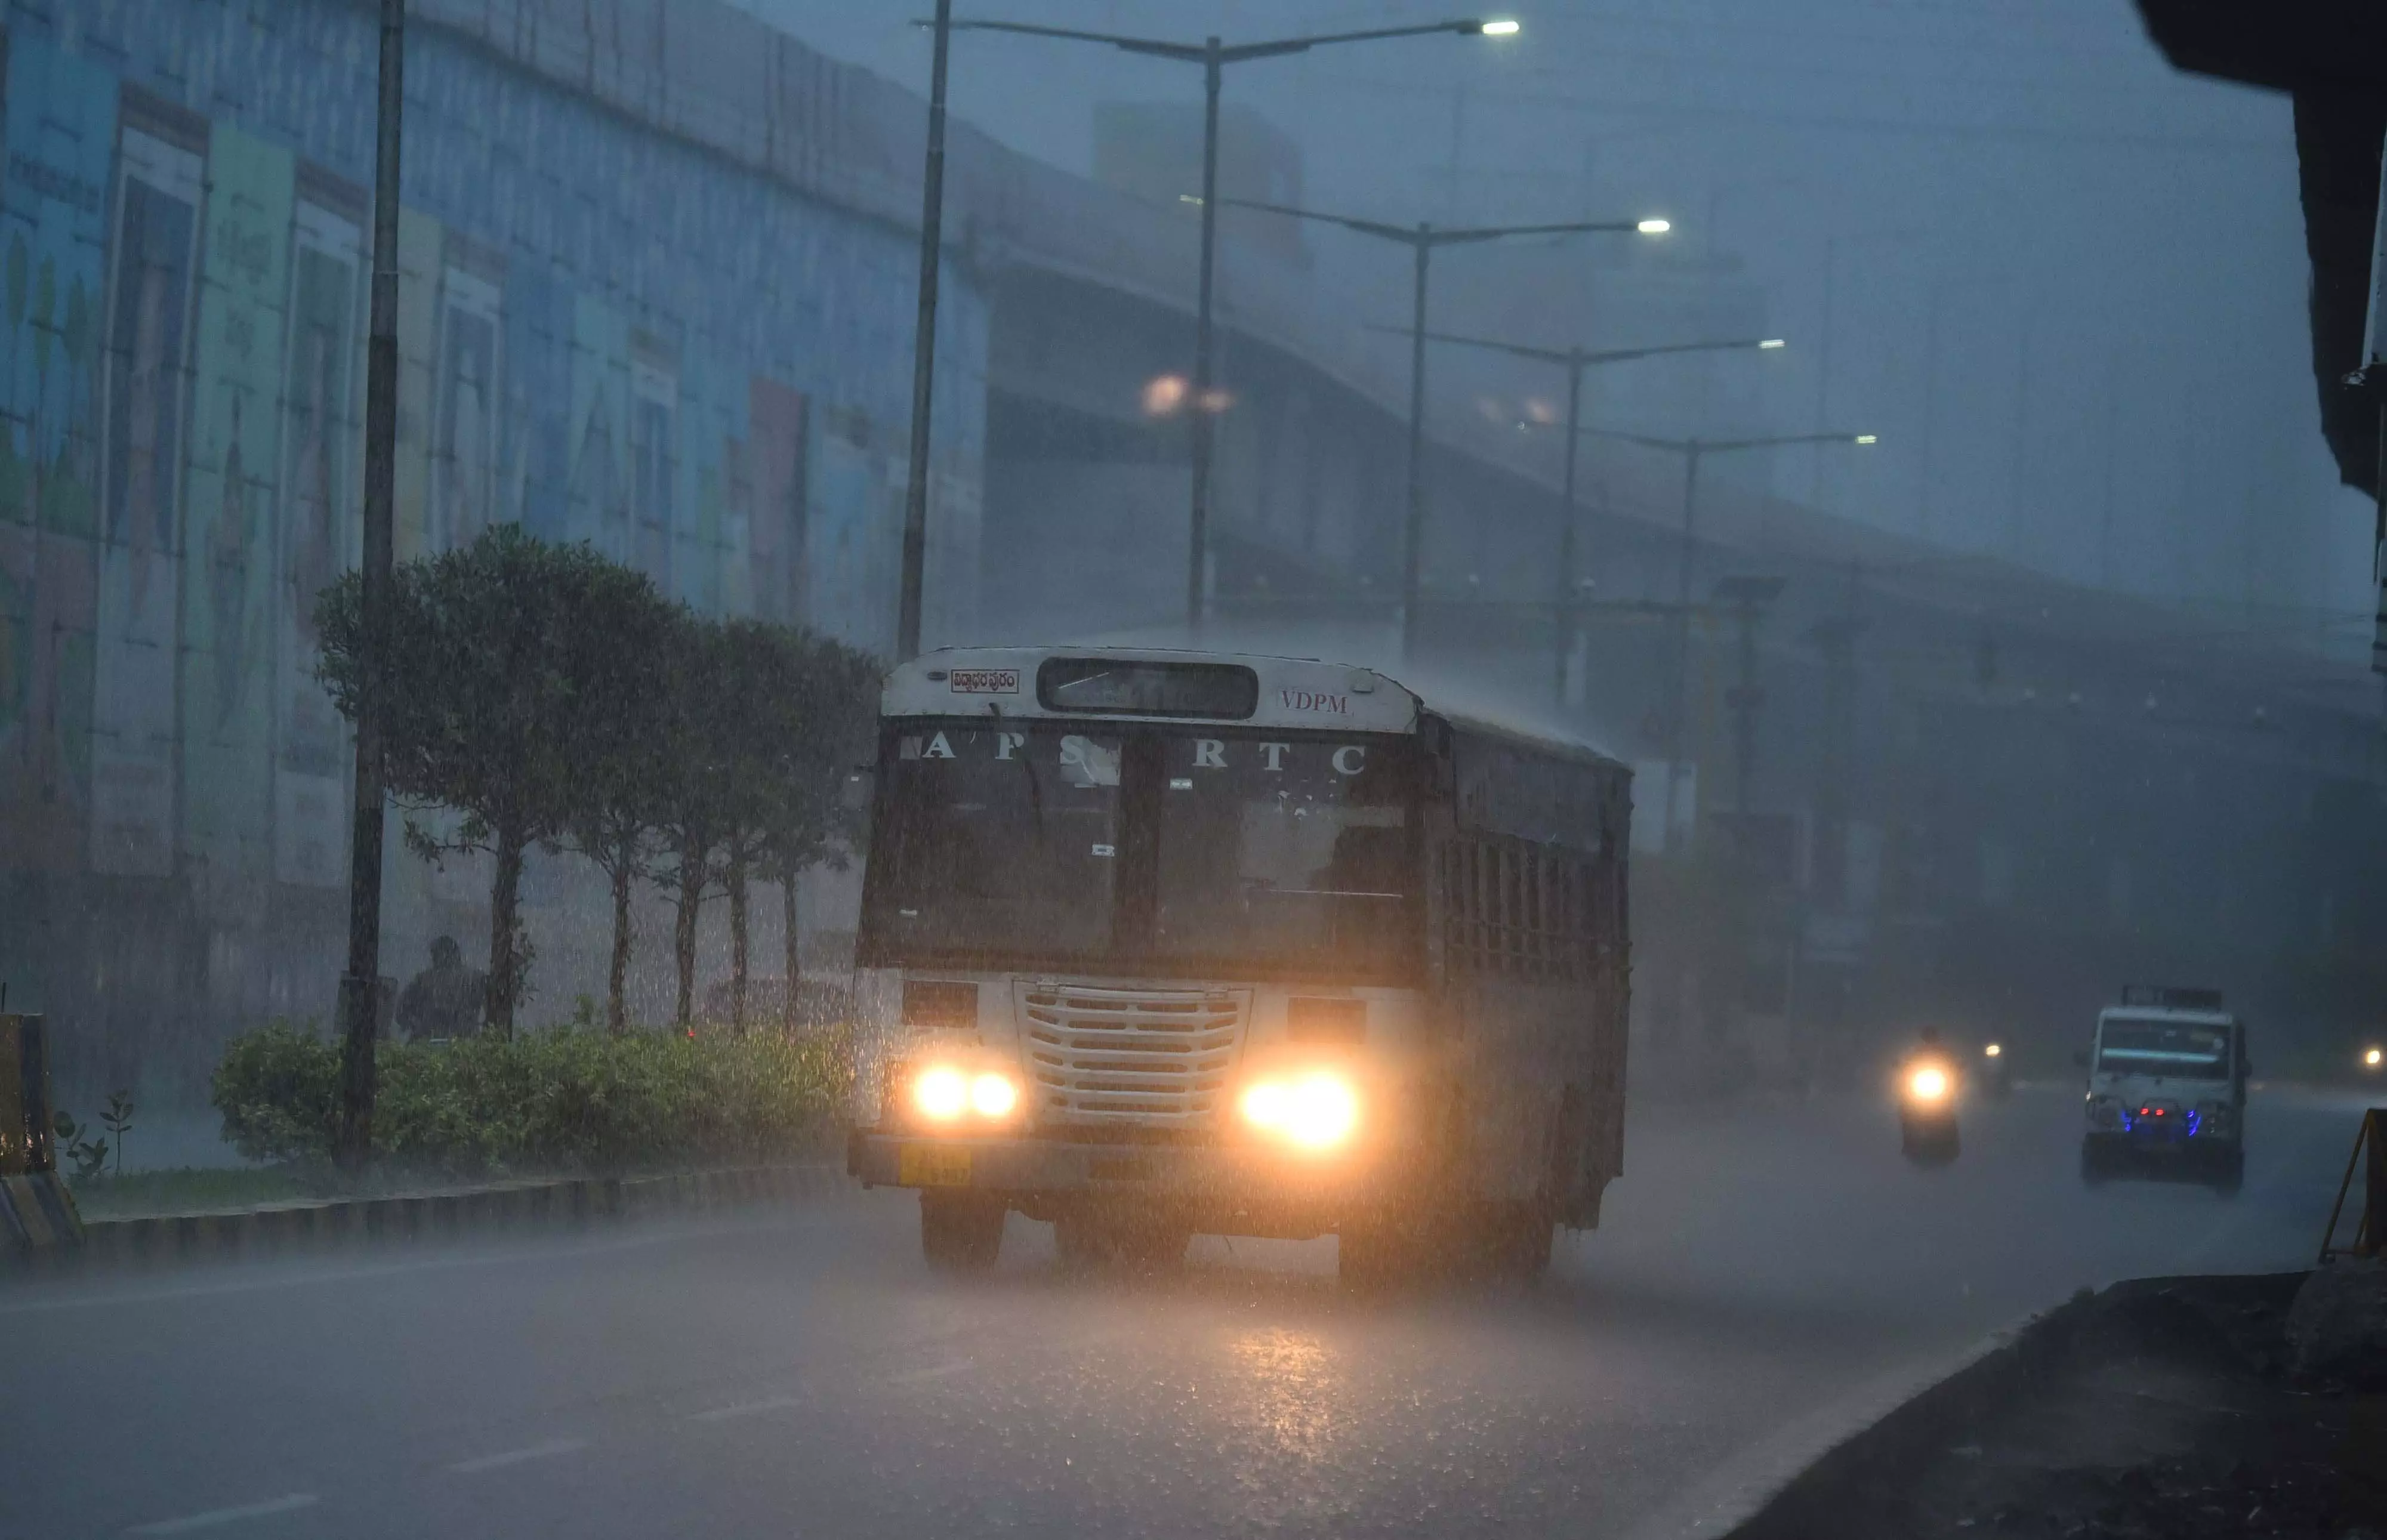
<point x="280" y="1229"/>
<point x="1772" y="1490"/>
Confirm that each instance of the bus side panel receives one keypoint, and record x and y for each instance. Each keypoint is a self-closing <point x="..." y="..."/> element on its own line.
<point x="1525" y="1072"/>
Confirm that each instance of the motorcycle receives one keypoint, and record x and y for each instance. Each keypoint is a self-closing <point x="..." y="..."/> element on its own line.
<point x="1926" y="1110"/>
<point x="1997" y="1072"/>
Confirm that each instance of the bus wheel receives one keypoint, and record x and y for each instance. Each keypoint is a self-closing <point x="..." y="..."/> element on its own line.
<point x="1516" y="1239"/>
<point x="1369" y="1254"/>
<point x="2230" y="1171"/>
<point x="961" y="1231"/>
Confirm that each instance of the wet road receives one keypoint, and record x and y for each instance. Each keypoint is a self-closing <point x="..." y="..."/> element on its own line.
<point x="1761" y="1270"/>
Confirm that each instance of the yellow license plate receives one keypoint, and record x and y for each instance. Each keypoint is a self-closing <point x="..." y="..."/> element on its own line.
<point x="932" y="1165"/>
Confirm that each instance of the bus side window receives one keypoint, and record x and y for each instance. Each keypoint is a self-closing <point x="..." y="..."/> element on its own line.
<point x="1562" y="909"/>
<point x="1454" y="904"/>
<point x="1537" y="910"/>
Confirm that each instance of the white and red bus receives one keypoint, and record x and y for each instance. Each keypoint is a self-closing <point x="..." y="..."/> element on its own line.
<point x="1207" y="943"/>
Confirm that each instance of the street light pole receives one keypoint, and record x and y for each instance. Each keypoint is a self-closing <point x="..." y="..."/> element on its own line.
<point x="1205" y="423"/>
<point x="1563" y="621"/>
<point x="1213" y="55"/>
<point x="1693" y="451"/>
<point x="924" y="350"/>
<point x="359" y="1002"/>
<point x="1413" y="516"/>
<point x="1575" y="361"/>
<point x="1421" y="240"/>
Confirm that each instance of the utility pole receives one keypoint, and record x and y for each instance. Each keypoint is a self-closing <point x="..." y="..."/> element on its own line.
<point x="1836" y="638"/>
<point x="924" y="349"/>
<point x="360" y="1007"/>
<point x="1747" y="597"/>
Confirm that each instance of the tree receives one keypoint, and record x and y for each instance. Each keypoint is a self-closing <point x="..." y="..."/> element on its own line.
<point x="694" y="802"/>
<point x="823" y="735"/>
<point x="623" y="752"/>
<point x="493" y="661"/>
<point x="784" y="702"/>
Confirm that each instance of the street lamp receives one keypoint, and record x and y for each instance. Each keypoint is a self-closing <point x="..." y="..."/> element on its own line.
<point x="1213" y="55"/>
<point x="1693" y="450"/>
<point x="1421" y="240"/>
<point x="1575" y="361"/>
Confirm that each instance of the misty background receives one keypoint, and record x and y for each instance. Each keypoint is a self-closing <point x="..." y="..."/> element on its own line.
<point x="2063" y="282"/>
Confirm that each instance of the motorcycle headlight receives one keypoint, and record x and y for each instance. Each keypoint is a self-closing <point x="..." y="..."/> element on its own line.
<point x="1928" y="1084"/>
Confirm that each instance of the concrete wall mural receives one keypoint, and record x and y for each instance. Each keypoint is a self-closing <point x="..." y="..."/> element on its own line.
<point x="600" y="430"/>
<point x="60" y="127"/>
<point x="232" y="509"/>
<point x="852" y="548"/>
<point x="464" y="428"/>
<point x="774" y="458"/>
<point x="320" y="529"/>
<point x="180" y="401"/>
<point x="419" y="264"/>
<point x="150" y="322"/>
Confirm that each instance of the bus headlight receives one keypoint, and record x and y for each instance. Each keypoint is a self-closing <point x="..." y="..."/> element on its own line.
<point x="993" y="1096"/>
<point x="1316" y="1111"/>
<point x="940" y="1092"/>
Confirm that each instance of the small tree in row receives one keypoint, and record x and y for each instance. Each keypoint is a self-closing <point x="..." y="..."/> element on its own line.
<point x="550" y="696"/>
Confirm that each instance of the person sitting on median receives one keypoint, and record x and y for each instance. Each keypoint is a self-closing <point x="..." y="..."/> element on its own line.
<point x="444" y="1000"/>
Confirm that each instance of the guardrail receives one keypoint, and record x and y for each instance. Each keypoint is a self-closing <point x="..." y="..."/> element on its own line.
<point x="2370" y="1226"/>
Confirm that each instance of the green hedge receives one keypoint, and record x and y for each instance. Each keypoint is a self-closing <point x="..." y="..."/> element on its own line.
<point x="552" y="1100"/>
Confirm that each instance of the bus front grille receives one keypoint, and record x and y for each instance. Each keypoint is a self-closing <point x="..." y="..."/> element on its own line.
<point x="1155" y="1056"/>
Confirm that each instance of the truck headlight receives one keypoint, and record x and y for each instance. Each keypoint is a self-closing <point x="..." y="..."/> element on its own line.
<point x="1318" y="1111"/>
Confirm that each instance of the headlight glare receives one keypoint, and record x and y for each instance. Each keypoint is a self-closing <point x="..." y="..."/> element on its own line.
<point x="993" y="1096"/>
<point x="940" y="1092"/>
<point x="1316" y="1111"/>
<point x="1928" y="1084"/>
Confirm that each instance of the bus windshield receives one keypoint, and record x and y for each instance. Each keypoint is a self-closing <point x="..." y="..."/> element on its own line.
<point x="2157" y="1045"/>
<point x="1180" y="852"/>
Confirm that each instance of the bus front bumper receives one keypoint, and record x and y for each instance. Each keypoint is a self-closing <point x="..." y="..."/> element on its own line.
<point x="1027" y="1168"/>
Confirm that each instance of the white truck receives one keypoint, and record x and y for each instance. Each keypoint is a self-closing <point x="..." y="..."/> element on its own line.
<point x="2166" y="1094"/>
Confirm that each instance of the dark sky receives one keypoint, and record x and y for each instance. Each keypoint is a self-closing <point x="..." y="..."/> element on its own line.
<point x="2067" y="278"/>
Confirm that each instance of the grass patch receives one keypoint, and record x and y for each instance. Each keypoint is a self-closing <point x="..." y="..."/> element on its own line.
<point x="189" y="1191"/>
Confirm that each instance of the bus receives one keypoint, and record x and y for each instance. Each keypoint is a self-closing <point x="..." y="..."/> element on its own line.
<point x="1196" y="942"/>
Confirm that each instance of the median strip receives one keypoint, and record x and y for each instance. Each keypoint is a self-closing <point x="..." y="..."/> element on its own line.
<point x="548" y="1450"/>
<point x="217" y="1516"/>
<point x="289" y="1228"/>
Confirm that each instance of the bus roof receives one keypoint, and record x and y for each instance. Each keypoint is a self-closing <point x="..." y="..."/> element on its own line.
<point x="1294" y="692"/>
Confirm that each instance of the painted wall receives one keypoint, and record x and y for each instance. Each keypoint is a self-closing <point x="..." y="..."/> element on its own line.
<point x="607" y="333"/>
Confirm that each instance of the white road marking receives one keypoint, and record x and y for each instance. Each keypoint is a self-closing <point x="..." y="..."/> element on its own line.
<point x="934" y="1371"/>
<point x="532" y="1251"/>
<point x="749" y="1409"/>
<point x="215" y="1516"/>
<point x="547" y="1450"/>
